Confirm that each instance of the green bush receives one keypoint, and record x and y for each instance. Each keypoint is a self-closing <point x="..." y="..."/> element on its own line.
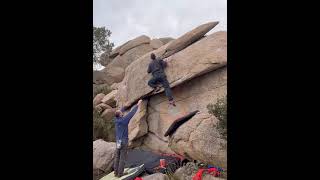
<point x="101" y="88"/>
<point x="219" y="110"/>
<point x="102" y="129"/>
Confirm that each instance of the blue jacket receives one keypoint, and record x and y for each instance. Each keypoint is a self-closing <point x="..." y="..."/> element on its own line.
<point x="121" y="125"/>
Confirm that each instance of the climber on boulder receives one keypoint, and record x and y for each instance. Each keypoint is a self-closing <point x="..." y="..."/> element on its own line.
<point x="156" y="67"/>
<point x="121" y="127"/>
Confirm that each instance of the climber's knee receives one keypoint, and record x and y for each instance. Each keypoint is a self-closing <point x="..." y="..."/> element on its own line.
<point x="151" y="83"/>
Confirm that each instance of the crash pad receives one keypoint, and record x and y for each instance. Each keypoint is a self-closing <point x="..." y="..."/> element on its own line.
<point x="131" y="173"/>
<point x="178" y="122"/>
<point x="151" y="160"/>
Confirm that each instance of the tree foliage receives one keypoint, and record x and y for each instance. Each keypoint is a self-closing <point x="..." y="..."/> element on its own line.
<point x="219" y="110"/>
<point x="101" y="43"/>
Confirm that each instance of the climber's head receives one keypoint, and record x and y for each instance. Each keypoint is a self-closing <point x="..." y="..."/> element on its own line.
<point x="118" y="114"/>
<point x="153" y="56"/>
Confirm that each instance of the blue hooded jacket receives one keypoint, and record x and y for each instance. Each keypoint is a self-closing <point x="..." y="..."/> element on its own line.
<point x="121" y="125"/>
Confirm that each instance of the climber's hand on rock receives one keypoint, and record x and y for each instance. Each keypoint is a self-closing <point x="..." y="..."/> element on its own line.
<point x="139" y="102"/>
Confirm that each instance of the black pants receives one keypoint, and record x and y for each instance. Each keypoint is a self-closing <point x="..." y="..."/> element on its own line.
<point x="162" y="79"/>
<point x="120" y="159"/>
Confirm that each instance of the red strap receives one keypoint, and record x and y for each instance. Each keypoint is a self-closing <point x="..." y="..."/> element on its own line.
<point x="198" y="175"/>
<point x="211" y="171"/>
<point x="138" y="178"/>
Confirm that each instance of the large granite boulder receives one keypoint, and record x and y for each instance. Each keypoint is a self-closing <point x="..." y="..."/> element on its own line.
<point x="208" y="54"/>
<point x="199" y="139"/>
<point x="131" y="55"/>
<point x="133" y="43"/>
<point x="193" y="95"/>
<point x="188" y="38"/>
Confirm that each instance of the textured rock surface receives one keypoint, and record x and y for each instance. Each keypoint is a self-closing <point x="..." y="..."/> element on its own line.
<point x="135" y="69"/>
<point x="112" y="74"/>
<point x="97" y="99"/>
<point x="208" y="54"/>
<point x="101" y="107"/>
<point x="133" y="43"/>
<point x="200" y="140"/>
<point x="108" y="114"/>
<point x="156" y="176"/>
<point x="131" y="55"/>
<point x="138" y="126"/>
<point x="165" y="40"/>
<point x="154" y="143"/>
<point x="110" y="98"/>
<point x="156" y="43"/>
<point x="115" y="52"/>
<point x="188" y="38"/>
<point x="192" y="95"/>
<point x="103" y="155"/>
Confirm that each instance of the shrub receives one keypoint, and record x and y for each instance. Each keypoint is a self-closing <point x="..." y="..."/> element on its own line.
<point x="101" y="88"/>
<point x="102" y="129"/>
<point x="219" y="110"/>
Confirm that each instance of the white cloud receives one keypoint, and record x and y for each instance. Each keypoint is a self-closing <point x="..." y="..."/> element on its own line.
<point x="128" y="19"/>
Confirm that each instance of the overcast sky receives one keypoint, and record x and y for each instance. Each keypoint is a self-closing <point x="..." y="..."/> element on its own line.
<point x="128" y="19"/>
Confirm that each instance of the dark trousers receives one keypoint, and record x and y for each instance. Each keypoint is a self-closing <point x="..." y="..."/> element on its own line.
<point x="162" y="79"/>
<point x="120" y="158"/>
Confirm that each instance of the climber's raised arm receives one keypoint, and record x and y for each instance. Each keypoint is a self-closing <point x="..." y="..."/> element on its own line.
<point x="128" y="117"/>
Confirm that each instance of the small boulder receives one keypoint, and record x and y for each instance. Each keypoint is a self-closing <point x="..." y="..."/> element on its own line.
<point x="101" y="107"/>
<point x="103" y="155"/>
<point x="97" y="99"/>
<point x="108" y="114"/>
<point x="110" y="98"/>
